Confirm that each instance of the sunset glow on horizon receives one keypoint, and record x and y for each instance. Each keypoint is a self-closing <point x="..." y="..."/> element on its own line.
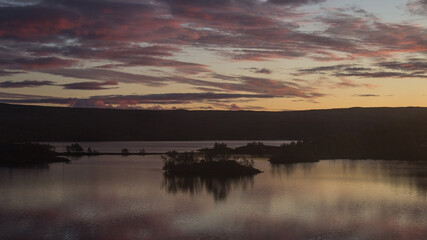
<point x="260" y="55"/>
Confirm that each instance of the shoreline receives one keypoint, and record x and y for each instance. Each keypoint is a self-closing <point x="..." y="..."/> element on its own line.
<point x="99" y="154"/>
<point x="241" y="155"/>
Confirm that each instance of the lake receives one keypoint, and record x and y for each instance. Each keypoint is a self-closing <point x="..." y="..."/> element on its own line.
<point x="127" y="197"/>
<point x="159" y="146"/>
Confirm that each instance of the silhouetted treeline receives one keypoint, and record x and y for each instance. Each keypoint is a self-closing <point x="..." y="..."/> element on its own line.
<point x="257" y="149"/>
<point x="32" y="123"/>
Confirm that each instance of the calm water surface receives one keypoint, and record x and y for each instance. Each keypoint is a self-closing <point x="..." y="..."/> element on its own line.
<point x="114" y="197"/>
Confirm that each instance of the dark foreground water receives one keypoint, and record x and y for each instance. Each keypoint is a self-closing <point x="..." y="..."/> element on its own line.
<point x="114" y="197"/>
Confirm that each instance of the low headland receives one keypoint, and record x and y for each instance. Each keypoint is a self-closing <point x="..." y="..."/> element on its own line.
<point x="374" y="147"/>
<point x="25" y="154"/>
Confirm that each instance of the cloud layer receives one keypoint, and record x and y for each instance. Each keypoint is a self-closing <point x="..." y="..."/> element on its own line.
<point x="132" y="101"/>
<point x="103" y="45"/>
<point x="412" y="68"/>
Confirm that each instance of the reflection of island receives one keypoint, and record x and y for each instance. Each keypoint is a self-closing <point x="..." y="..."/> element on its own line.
<point x="216" y="171"/>
<point x="219" y="187"/>
<point x="405" y="174"/>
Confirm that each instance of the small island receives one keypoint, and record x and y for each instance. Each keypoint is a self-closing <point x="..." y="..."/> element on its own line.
<point x="206" y="165"/>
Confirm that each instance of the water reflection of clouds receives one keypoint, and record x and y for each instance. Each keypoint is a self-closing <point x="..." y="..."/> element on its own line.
<point x="289" y="169"/>
<point x="401" y="174"/>
<point x="127" y="199"/>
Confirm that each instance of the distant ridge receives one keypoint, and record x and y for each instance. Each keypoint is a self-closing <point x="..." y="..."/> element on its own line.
<point x="37" y="123"/>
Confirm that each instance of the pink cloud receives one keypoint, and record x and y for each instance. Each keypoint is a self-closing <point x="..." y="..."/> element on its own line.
<point x="36" y="63"/>
<point x="99" y="41"/>
<point x="347" y="83"/>
<point x="25" y="83"/>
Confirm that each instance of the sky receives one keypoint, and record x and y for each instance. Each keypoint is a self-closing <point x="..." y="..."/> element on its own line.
<point x="257" y="55"/>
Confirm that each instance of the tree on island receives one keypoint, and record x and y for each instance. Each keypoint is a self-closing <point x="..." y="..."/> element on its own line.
<point x="74" y="148"/>
<point x="91" y="152"/>
<point x="220" y="152"/>
<point x="125" y="151"/>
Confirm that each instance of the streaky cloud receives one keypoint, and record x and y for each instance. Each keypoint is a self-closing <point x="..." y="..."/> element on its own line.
<point x="128" y="101"/>
<point x="90" y="85"/>
<point x="26" y="83"/>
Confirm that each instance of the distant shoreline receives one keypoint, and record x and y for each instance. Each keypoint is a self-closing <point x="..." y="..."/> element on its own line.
<point x="266" y="156"/>
<point x="107" y="153"/>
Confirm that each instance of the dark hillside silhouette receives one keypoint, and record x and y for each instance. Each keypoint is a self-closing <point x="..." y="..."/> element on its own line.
<point x="357" y="125"/>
